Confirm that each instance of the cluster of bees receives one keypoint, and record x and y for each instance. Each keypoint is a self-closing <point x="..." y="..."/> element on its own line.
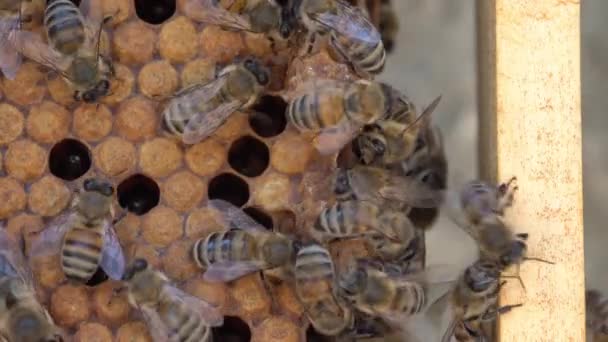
<point x="399" y="169"/>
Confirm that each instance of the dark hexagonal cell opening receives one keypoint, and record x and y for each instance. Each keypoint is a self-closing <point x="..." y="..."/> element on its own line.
<point x="234" y="329"/>
<point x="69" y="159"/>
<point x="249" y="156"/>
<point x="260" y="217"/>
<point x="98" y="278"/>
<point x="155" y="11"/>
<point x="138" y="194"/>
<point x="267" y="118"/>
<point x="314" y="336"/>
<point x="229" y="187"/>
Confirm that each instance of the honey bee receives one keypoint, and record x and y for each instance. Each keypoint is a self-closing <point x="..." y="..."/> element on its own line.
<point x="398" y="255"/>
<point x="23" y="318"/>
<point x="596" y="313"/>
<point x="197" y="111"/>
<point x="10" y="23"/>
<point x="474" y="300"/>
<point x="338" y="110"/>
<point x="244" y="248"/>
<point x="84" y="235"/>
<point x="393" y="139"/>
<point x="256" y="16"/>
<point x="353" y="39"/>
<point x="170" y="314"/>
<point x="73" y="49"/>
<point x="315" y="285"/>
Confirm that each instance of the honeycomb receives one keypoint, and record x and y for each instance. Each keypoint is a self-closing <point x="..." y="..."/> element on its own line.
<point x="49" y="143"/>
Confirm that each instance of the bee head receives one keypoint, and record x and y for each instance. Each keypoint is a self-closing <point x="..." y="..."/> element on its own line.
<point x="31" y="326"/>
<point x="353" y="281"/>
<point x="258" y="70"/>
<point x="100" y="186"/>
<point x="138" y="265"/>
<point x="369" y="145"/>
<point x="481" y="275"/>
<point x="515" y="254"/>
<point x="341" y="183"/>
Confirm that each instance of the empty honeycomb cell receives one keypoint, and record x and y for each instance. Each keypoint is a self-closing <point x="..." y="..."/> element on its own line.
<point x="251" y="298"/>
<point x="60" y="90"/>
<point x="159" y="157"/>
<point x="279" y="329"/>
<point x="11" y="123"/>
<point x="220" y="45"/>
<point x="48" y="196"/>
<point x="178" y="40"/>
<point x="272" y="191"/>
<point x="267" y="118"/>
<point x="234" y="329"/>
<point x="228" y="187"/>
<point x="155" y="11"/>
<point x="120" y="10"/>
<point x="259" y="216"/>
<point x="48" y="271"/>
<point x="233" y="128"/>
<point x="183" y="191"/>
<point x="93" y="332"/>
<point x="12" y="197"/>
<point x="92" y="123"/>
<point x="248" y="156"/>
<point x="177" y="261"/>
<point x="287" y="299"/>
<point x="48" y="122"/>
<point x="134" y="331"/>
<point x="206" y="157"/>
<point x="136" y="118"/>
<point x="115" y="156"/>
<point x="69" y="159"/>
<point x="128" y="228"/>
<point x="111" y="308"/>
<point x="121" y="85"/>
<point x="158" y="79"/>
<point x="134" y="43"/>
<point x="25" y="160"/>
<point x="201" y="222"/>
<point x="138" y="194"/>
<point x="290" y="154"/>
<point x="161" y="226"/>
<point x="199" y="70"/>
<point x="70" y="305"/>
<point x="99" y="277"/>
<point x="28" y="86"/>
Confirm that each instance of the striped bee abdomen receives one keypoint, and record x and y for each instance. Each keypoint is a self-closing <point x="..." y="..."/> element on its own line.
<point x="365" y="56"/>
<point x="81" y="253"/>
<point x="187" y="325"/>
<point x="64" y="26"/>
<point x="410" y="299"/>
<point x="231" y="245"/>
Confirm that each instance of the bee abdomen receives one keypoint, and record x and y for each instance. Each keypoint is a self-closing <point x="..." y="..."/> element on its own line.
<point x="81" y="254"/>
<point x="302" y="112"/>
<point x="369" y="57"/>
<point x="332" y="221"/>
<point x="64" y="26"/>
<point x="192" y="328"/>
<point x="411" y="299"/>
<point x="313" y="263"/>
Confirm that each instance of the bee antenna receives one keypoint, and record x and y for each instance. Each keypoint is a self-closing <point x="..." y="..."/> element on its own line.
<point x="540" y="260"/>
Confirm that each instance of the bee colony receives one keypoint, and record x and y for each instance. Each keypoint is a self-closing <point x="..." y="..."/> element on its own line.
<point x="130" y="140"/>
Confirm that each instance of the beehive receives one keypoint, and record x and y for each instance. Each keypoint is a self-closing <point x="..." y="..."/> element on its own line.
<point x="49" y="143"/>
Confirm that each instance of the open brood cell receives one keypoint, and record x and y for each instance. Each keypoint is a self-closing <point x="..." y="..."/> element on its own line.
<point x="49" y="144"/>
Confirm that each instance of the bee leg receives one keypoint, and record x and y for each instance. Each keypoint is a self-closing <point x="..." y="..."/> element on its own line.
<point x="274" y="307"/>
<point x="506" y="193"/>
<point x="492" y="314"/>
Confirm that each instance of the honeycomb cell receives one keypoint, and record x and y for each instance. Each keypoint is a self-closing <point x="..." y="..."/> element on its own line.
<point x="138" y="194"/>
<point x="120" y="10"/>
<point x="183" y="191"/>
<point x="99" y="277"/>
<point x="92" y="123"/>
<point x="288" y="300"/>
<point x="177" y="261"/>
<point x="128" y="229"/>
<point x="93" y="332"/>
<point x="48" y="271"/>
<point x="149" y="253"/>
<point x="201" y="222"/>
<point x="178" y="40"/>
<point x="290" y="154"/>
<point x="272" y="191"/>
<point x="110" y="308"/>
<point x="317" y="66"/>
<point x="267" y="118"/>
<point x="48" y="122"/>
<point x="25" y="160"/>
<point x="134" y="331"/>
<point x="212" y="293"/>
<point x="60" y="90"/>
<point x="258" y="45"/>
<point x="48" y="196"/>
<point x="233" y="329"/>
<point x="259" y="216"/>
<point x="159" y="157"/>
<point x="121" y="85"/>
<point x="277" y="329"/>
<point x="220" y="45"/>
<point x="28" y="86"/>
<point x="233" y="128"/>
<point x="158" y="79"/>
<point x="21" y="223"/>
<point x="249" y="156"/>
<point x="200" y="70"/>
<point x="134" y="43"/>
<point x="136" y="119"/>
<point x="69" y="159"/>
<point x="251" y="297"/>
<point x="115" y="156"/>
<point x="11" y="123"/>
<point x="206" y="157"/>
<point x="70" y="305"/>
<point x="229" y="187"/>
<point x="12" y="197"/>
<point x="161" y="226"/>
<point x="155" y="11"/>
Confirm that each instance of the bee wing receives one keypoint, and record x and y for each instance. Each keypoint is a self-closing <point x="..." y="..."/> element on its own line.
<point x="10" y="58"/>
<point x="92" y="11"/>
<point x="14" y="256"/>
<point x="235" y="217"/>
<point x="208" y="12"/>
<point x="227" y="271"/>
<point x="202" y="124"/>
<point x="33" y="47"/>
<point x="332" y="139"/>
<point x="158" y="330"/>
<point x="350" y="22"/>
<point x="112" y="259"/>
<point x="49" y="240"/>
<point x="410" y="191"/>
<point x="210" y="314"/>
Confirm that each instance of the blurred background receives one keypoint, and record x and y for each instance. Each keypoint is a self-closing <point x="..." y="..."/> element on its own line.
<point x="435" y="53"/>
